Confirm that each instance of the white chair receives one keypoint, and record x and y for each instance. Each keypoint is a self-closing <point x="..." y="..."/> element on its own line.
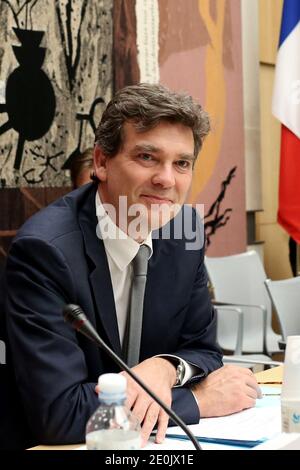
<point x="230" y="320"/>
<point x="285" y="296"/>
<point x="239" y="280"/>
<point x="229" y="315"/>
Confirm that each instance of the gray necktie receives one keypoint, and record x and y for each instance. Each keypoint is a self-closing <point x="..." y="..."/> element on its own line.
<point x="132" y="339"/>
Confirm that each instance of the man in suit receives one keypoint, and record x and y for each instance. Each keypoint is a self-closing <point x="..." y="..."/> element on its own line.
<point x="14" y="431"/>
<point x="80" y="250"/>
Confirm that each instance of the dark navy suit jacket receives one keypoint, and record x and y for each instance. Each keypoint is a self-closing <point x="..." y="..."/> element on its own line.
<point x="55" y="259"/>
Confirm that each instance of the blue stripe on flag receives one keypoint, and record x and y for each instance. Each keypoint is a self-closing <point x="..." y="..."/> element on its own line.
<point x="290" y="18"/>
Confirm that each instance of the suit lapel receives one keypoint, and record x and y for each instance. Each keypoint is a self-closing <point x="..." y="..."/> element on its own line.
<point x="100" y="280"/>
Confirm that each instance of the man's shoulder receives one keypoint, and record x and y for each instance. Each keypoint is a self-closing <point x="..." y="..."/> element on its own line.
<point x="59" y="218"/>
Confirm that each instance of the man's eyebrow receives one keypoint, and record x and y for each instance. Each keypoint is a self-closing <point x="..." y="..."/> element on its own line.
<point x="145" y="148"/>
<point x="152" y="148"/>
<point x="187" y="156"/>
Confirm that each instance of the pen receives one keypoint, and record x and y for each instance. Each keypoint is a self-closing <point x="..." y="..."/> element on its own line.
<point x="218" y="440"/>
<point x="270" y="383"/>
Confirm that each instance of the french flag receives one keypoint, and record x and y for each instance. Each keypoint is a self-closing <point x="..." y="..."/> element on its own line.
<point x="286" y="108"/>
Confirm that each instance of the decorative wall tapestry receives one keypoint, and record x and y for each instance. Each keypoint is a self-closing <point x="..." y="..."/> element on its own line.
<point x="55" y="76"/>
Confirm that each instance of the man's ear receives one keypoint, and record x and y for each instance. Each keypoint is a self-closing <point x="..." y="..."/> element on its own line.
<point x="100" y="163"/>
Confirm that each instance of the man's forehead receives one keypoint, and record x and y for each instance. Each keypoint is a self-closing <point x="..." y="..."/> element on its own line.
<point x="129" y="126"/>
<point x="130" y="130"/>
<point x="135" y="140"/>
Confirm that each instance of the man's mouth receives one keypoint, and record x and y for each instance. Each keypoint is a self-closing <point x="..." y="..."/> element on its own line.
<point x="154" y="199"/>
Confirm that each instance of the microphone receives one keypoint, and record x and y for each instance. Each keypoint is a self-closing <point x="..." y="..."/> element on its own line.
<point x="74" y="315"/>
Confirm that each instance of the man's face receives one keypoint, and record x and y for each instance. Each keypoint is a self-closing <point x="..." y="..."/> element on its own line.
<point x="152" y="168"/>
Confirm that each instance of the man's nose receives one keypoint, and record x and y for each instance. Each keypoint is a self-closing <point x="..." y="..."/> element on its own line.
<point x="164" y="176"/>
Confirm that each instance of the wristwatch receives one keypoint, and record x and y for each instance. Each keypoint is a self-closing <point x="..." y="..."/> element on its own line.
<point x="180" y="372"/>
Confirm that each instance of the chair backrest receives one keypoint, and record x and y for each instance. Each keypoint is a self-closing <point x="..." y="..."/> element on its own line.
<point x="239" y="279"/>
<point x="285" y="296"/>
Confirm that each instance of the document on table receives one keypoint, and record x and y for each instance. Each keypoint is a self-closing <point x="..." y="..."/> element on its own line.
<point x="249" y="427"/>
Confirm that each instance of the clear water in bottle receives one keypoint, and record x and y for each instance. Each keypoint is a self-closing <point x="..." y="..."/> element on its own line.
<point x="113" y="426"/>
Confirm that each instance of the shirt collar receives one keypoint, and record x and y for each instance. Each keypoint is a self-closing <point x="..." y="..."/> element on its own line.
<point x="120" y="247"/>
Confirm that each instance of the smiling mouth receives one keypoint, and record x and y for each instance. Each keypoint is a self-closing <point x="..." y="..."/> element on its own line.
<point x="156" y="199"/>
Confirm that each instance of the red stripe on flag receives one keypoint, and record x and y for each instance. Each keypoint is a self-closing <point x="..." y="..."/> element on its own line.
<point x="289" y="184"/>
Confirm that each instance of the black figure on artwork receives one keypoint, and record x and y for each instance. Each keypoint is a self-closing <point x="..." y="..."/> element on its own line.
<point x="215" y="219"/>
<point x="30" y="99"/>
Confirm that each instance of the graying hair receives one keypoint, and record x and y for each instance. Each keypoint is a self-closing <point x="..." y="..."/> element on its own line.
<point x="146" y="106"/>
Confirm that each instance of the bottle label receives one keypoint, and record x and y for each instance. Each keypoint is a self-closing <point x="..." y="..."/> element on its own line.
<point x="290" y="417"/>
<point x="113" y="439"/>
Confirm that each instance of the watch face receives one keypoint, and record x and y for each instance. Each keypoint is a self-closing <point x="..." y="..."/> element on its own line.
<point x="179" y="373"/>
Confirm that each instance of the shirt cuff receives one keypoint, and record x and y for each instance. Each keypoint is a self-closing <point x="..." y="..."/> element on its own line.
<point x="189" y="369"/>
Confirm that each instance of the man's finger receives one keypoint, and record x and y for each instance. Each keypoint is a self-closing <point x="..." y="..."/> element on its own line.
<point x="252" y="382"/>
<point x="132" y="392"/>
<point x="131" y="399"/>
<point x="149" y="422"/>
<point x="163" y="421"/>
<point x="140" y="408"/>
<point x="252" y="393"/>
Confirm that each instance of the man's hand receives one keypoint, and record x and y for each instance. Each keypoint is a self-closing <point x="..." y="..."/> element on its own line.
<point x="225" y="391"/>
<point x="160" y="375"/>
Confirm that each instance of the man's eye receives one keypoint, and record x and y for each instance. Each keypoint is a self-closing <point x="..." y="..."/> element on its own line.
<point x="145" y="157"/>
<point x="184" y="164"/>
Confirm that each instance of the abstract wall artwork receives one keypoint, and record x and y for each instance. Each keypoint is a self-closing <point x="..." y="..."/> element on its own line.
<point x="60" y="61"/>
<point x="195" y="46"/>
<point x="55" y="77"/>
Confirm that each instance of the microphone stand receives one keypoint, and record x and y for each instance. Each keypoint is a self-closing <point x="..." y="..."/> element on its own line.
<point x="74" y="315"/>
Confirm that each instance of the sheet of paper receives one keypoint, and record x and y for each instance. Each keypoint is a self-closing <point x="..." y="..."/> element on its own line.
<point x="261" y="422"/>
<point x="271" y="397"/>
<point x="283" y="441"/>
<point x="270" y="390"/>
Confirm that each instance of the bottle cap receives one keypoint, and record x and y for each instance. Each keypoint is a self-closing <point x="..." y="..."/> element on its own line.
<point x="291" y="374"/>
<point x="112" y="383"/>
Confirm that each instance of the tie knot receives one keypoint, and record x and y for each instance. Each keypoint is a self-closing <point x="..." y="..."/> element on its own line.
<point x="140" y="261"/>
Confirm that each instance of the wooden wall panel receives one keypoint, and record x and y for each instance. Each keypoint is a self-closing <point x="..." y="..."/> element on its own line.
<point x="270" y="147"/>
<point x="17" y="205"/>
<point x="269" y="27"/>
<point x="275" y="239"/>
<point x="126" y="70"/>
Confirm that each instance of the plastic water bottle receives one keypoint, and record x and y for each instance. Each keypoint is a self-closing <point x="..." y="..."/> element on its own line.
<point x="113" y="426"/>
<point x="290" y="395"/>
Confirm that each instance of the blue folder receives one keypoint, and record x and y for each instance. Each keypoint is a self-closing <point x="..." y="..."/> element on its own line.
<point x="218" y="440"/>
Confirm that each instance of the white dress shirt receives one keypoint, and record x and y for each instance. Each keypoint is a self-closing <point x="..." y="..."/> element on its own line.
<point x="120" y="250"/>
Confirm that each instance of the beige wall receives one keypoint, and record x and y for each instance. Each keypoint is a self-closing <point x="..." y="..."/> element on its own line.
<point x="251" y="94"/>
<point x="268" y="230"/>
